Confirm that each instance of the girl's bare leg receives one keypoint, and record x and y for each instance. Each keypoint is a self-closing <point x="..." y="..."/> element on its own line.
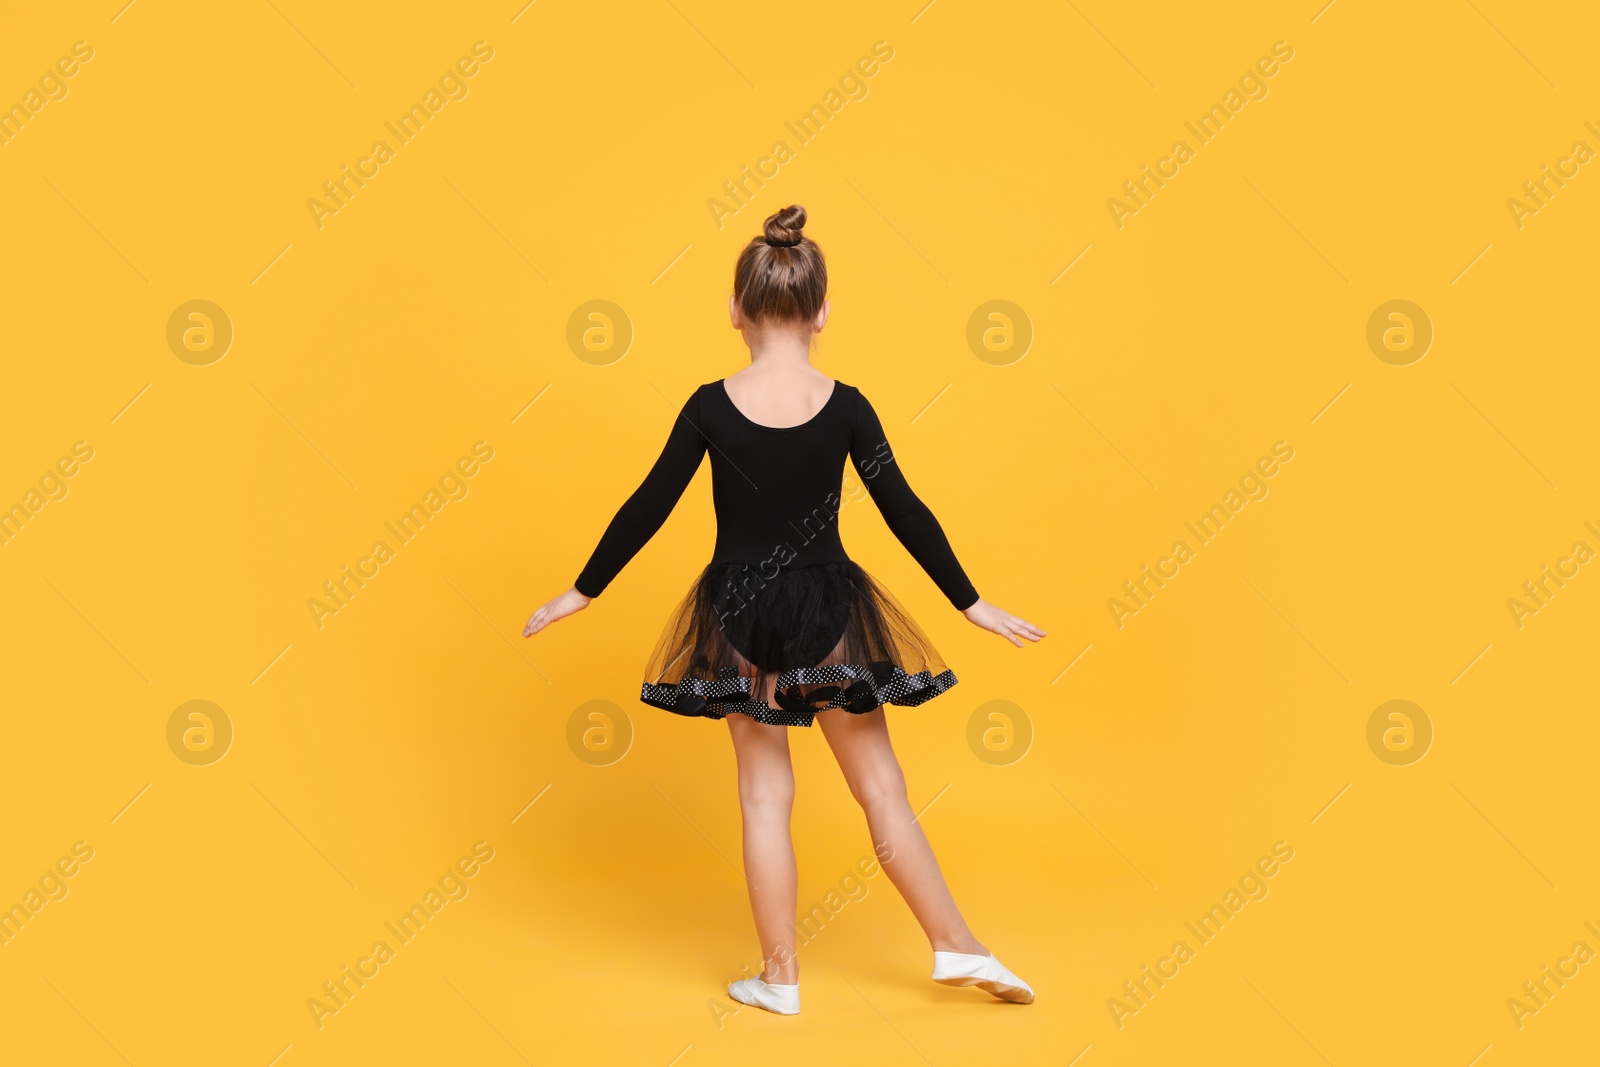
<point x="766" y="799"/>
<point x="861" y="745"/>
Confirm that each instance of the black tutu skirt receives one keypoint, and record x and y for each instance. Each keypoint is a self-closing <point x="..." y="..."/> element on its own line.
<point x="781" y="649"/>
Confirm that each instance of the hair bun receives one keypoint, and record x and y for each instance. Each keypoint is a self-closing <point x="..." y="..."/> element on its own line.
<point x="781" y="277"/>
<point x="784" y="227"/>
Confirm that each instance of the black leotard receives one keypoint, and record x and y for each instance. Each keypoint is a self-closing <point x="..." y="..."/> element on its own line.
<point x="776" y="491"/>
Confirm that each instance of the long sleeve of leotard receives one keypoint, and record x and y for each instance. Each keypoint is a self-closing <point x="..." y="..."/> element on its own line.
<point x="907" y="516"/>
<point x="643" y="513"/>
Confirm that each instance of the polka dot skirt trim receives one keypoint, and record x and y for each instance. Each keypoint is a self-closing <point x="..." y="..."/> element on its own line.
<point x="800" y="693"/>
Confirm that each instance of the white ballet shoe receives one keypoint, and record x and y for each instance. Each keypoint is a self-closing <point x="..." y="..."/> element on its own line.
<point x="783" y="999"/>
<point x="985" y="972"/>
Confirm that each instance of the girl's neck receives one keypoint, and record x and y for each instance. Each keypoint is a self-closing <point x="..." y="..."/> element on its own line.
<point x="780" y="349"/>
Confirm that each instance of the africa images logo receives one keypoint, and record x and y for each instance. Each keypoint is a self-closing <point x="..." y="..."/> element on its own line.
<point x="452" y="85"/>
<point x="1206" y="128"/>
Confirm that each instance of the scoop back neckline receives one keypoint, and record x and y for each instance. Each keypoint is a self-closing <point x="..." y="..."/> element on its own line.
<point x="722" y="387"/>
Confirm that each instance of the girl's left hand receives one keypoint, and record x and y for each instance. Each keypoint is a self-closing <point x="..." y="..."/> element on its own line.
<point x="566" y="604"/>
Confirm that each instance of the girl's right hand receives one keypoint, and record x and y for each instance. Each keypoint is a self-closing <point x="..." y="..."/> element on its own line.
<point x="559" y="608"/>
<point x="985" y="615"/>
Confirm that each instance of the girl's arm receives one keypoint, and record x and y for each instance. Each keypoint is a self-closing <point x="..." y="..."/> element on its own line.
<point x="640" y="516"/>
<point x="914" y="525"/>
<point x="908" y="518"/>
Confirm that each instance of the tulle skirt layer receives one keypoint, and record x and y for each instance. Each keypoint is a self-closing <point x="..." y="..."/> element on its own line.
<point x="783" y="648"/>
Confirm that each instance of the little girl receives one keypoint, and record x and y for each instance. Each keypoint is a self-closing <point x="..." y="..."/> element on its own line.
<point x="782" y="628"/>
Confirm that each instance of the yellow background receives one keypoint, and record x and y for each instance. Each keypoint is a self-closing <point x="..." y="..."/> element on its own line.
<point x="369" y="354"/>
